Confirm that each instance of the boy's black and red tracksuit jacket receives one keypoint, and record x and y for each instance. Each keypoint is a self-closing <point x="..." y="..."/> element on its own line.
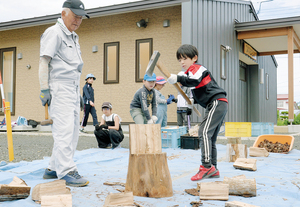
<point x="203" y="86"/>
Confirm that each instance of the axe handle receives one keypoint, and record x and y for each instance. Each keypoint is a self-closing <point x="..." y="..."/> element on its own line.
<point x="46" y="111"/>
<point x="164" y="71"/>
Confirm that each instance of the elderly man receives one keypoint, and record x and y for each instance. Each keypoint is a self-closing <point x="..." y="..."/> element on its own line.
<point x="59" y="74"/>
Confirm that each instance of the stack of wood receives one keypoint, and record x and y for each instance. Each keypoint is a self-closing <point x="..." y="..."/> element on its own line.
<point x="17" y="189"/>
<point x="274" y="147"/>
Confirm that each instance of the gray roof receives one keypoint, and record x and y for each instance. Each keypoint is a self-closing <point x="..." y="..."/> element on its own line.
<point x="95" y="12"/>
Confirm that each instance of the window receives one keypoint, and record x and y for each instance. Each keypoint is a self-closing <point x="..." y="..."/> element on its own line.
<point x="243" y="69"/>
<point x="223" y="62"/>
<point x="8" y="73"/>
<point x="143" y="51"/>
<point x="111" y="62"/>
<point x="267" y="86"/>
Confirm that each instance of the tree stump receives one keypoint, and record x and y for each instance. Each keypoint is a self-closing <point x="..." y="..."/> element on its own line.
<point x="149" y="176"/>
<point x="241" y="186"/>
<point x="235" y="151"/>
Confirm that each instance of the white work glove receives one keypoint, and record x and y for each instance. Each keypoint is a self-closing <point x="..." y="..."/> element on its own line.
<point x="172" y="79"/>
<point x="150" y="121"/>
<point x="190" y="106"/>
<point x="154" y="118"/>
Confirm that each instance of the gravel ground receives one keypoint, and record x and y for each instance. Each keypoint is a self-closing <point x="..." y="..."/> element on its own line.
<point x="29" y="146"/>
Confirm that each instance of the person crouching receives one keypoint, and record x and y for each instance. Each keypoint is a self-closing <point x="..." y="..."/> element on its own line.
<point x="109" y="133"/>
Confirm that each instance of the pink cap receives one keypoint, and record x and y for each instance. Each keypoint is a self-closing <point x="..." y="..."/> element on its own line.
<point x="160" y="80"/>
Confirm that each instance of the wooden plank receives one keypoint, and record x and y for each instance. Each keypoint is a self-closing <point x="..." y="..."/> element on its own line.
<point x="238" y="204"/>
<point x="241" y="186"/>
<point x="263" y="33"/>
<point x="245" y="164"/>
<point x="214" y="191"/>
<point x="258" y="152"/>
<point x="276" y="52"/>
<point x="119" y="199"/>
<point x="57" y="201"/>
<point x="235" y="151"/>
<point x="296" y="40"/>
<point x="56" y="187"/>
<point x="144" y="138"/>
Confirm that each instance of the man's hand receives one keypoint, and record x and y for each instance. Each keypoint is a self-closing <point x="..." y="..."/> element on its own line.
<point x="92" y="104"/>
<point x="154" y="118"/>
<point x="81" y="103"/>
<point x="150" y="121"/>
<point x="45" y="97"/>
<point x="190" y="105"/>
<point x="188" y="111"/>
<point x="172" y="79"/>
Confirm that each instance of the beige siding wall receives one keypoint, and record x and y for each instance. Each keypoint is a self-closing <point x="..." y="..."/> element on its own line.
<point x="97" y="31"/>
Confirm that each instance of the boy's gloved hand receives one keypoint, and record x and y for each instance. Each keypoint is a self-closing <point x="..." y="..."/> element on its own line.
<point x="45" y="97"/>
<point x="169" y="100"/>
<point x="154" y="118"/>
<point x="97" y="127"/>
<point x="188" y="111"/>
<point x="150" y="121"/>
<point x="191" y="105"/>
<point x="172" y="79"/>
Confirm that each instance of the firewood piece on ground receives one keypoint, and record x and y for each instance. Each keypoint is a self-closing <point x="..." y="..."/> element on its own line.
<point x="192" y="191"/>
<point x="238" y="204"/>
<point x="245" y="164"/>
<point x="258" y="152"/>
<point x="64" y="200"/>
<point x="214" y="191"/>
<point x="241" y="186"/>
<point x="17" y="189"/>
<point x="235" y="151"/>
<point x="57" y="187"/>
<point x="114" y="183"/>
<point x="121" y="199"/>
<point x="196" y="203"/>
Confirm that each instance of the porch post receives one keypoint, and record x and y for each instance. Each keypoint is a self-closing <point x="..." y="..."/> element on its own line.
<point x="291" y="72"/>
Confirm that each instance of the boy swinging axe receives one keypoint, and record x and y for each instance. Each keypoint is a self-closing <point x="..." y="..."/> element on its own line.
<point x="149" y="71"/>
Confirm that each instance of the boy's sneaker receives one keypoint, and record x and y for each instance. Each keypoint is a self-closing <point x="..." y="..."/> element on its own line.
<point x="204" y="173"/>
<point x="216" y="175"/>
<point x="49" y="174"/>
<point x="82" y="130"/>
<point x="74" y="179"/>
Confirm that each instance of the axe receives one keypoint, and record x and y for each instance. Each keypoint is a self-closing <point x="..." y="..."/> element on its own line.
<point x="46" y="121"/>
<point x="149" y="71"/>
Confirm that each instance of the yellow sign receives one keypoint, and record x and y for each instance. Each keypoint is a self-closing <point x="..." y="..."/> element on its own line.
<point x="248" y="50"/>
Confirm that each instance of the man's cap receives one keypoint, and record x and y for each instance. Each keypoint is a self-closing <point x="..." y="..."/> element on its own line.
<point x="107" y="105"/>
<point x="76" y="6"/>
<point x="160" y="80"/>
<point x="90" y="75"/>
<point x="150" y="78"/>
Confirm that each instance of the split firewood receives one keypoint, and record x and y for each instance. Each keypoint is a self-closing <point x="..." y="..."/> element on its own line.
<point x="57" y="187"/>
<point x="245" y="164"/>
<point x="17" y="189"/>
<point x="241" y="186"/>
<point x="64" y="200"/>
<point x="214" y="191"/>
<point x="196" y="203"/>
<point x="114" y="183"/>
<point x="238" y="204"/>
<point x="258" y="152"/>
<point x="274" y="147"/>
<point x="119" y="199"/>
<point x="235" y="151"/>
<point x="192" y="191"/>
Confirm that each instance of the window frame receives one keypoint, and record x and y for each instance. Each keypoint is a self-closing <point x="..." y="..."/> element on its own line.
<point x="223" y="50"/>
<point x="137" y="56"/>
<point x="12" y="105"/>
<point x="245" y="68"/>
<point x="106" y="45"/>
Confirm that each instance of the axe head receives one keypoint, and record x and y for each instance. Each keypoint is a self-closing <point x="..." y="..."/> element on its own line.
<point x="152" y="63"/>
<point x="47" y="122"/>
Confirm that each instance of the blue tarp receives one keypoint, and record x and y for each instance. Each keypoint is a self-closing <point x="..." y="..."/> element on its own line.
<point x="277" y="177"/>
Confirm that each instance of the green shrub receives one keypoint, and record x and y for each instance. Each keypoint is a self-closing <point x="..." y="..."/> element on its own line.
<point x="284" y="112"/>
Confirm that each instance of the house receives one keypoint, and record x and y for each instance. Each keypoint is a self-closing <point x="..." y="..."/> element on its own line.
<point x="282" y="102"/>
<point x="112" y="33"/>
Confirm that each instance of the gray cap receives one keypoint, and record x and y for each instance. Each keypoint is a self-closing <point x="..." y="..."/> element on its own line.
<point x="107" y="105"/>
<point x="76" y="6"/>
